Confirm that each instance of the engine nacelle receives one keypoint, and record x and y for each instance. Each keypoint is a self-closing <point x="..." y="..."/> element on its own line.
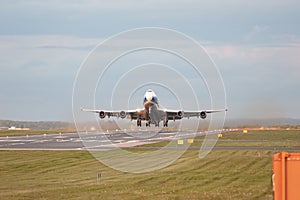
<point x="102" y="114"/>
<point x="203" y="115"/>
<point x="122" y="114"/>
<point x="180" y="114"/>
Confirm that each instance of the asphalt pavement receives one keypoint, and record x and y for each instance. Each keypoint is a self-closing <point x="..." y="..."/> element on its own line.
<point x="112" y="140"/>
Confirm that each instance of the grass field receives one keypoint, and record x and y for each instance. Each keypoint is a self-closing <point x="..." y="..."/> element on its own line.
<point x="73" y="175"/>
<point x="279" y="138"/>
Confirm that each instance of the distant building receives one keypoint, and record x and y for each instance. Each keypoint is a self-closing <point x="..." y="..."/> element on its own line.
<point x="18" y="129"/>
<point x="3" y="128"/>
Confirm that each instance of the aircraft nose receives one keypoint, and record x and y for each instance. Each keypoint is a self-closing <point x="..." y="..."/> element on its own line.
<point x="147" y="99"/>
<point x="148" y="96"/>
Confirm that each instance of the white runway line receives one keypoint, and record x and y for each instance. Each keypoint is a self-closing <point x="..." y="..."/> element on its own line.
<point x="40" y="141"/>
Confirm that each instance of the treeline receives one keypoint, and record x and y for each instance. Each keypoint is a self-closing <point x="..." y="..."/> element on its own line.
<point x="39" y="125"/>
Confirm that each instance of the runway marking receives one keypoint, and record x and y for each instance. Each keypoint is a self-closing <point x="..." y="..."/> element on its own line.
<point x="102" y="141"/>
<point x="60" y="137"/>
<point x="76" y="141"/>
<point x="20" y="143"/>
<point x="39" y="141"/>
<point x="62" y="140"/>
<point x="15" y="140"/>
<point x="119" y="141"/>
<point x="127" y="137"/>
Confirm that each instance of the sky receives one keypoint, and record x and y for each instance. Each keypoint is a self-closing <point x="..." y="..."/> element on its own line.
<point x="255" y="44"/>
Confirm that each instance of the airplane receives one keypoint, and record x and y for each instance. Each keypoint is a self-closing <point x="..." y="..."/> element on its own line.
<point x="151" y="112"/>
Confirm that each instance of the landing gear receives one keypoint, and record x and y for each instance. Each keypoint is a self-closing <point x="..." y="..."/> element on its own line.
<point x="139" y="122"/>
<point x="166" y="123"/>
<point x="148" y="123"/>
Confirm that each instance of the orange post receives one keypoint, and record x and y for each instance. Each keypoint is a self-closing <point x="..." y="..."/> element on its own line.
<point x="283" y="178"/>
<point x="286" y="176"/>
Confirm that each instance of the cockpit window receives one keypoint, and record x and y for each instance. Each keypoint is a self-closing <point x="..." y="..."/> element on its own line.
<point x="155" y="100"/>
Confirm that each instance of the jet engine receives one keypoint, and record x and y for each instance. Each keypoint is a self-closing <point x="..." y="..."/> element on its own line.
<point x="102" y="114"/>
<point x="203" y="115"/>
<point x="180" y="114"/>
<point x="122" y="114"/>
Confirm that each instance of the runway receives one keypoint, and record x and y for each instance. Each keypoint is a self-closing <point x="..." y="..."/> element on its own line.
<point x="107" y="141"/>
<point x="89" y="140"/>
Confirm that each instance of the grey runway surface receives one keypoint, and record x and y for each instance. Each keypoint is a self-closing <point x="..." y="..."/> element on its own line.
<point x="106" y="141"/>
<point x="89" y="140"/>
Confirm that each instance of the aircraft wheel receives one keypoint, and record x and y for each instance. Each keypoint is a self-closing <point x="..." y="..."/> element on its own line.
<point x="139" y="122"/>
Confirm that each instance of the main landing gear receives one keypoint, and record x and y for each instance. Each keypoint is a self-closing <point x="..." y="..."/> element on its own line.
<point x="148" y="123"/>
<point x="139" y="123"/>
<point x="166" y="123"/>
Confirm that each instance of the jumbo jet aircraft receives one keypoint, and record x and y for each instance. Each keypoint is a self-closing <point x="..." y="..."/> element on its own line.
<point x="151" y="112"/>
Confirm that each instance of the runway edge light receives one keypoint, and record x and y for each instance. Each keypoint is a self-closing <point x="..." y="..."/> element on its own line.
<point x="190" y="141"/>
<point x="180" y="142"/>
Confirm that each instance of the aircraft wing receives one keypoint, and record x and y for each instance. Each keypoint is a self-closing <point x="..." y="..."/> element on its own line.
<point x="131" y="114"/>
<point x="173" y="114"/>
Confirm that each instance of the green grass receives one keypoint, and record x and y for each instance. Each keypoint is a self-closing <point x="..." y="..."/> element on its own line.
<point x="263" y="135"/>
<point x="279" y="138"/>
<point x="73" y="175"/>
<point x="225" y="174"/>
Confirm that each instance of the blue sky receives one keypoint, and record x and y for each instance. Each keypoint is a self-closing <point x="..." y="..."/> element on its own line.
<point x="255" y="44"/>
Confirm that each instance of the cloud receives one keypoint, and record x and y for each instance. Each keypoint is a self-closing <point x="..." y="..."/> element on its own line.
<point x="256" y="31"/>
<point x="16" y="51"/>
<point x="42" y="44"/>
<point x="40" y="71"/>
<point x="257" y="75"/>
<point x="213" y="20"/>
<point x="36" y="82"/>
